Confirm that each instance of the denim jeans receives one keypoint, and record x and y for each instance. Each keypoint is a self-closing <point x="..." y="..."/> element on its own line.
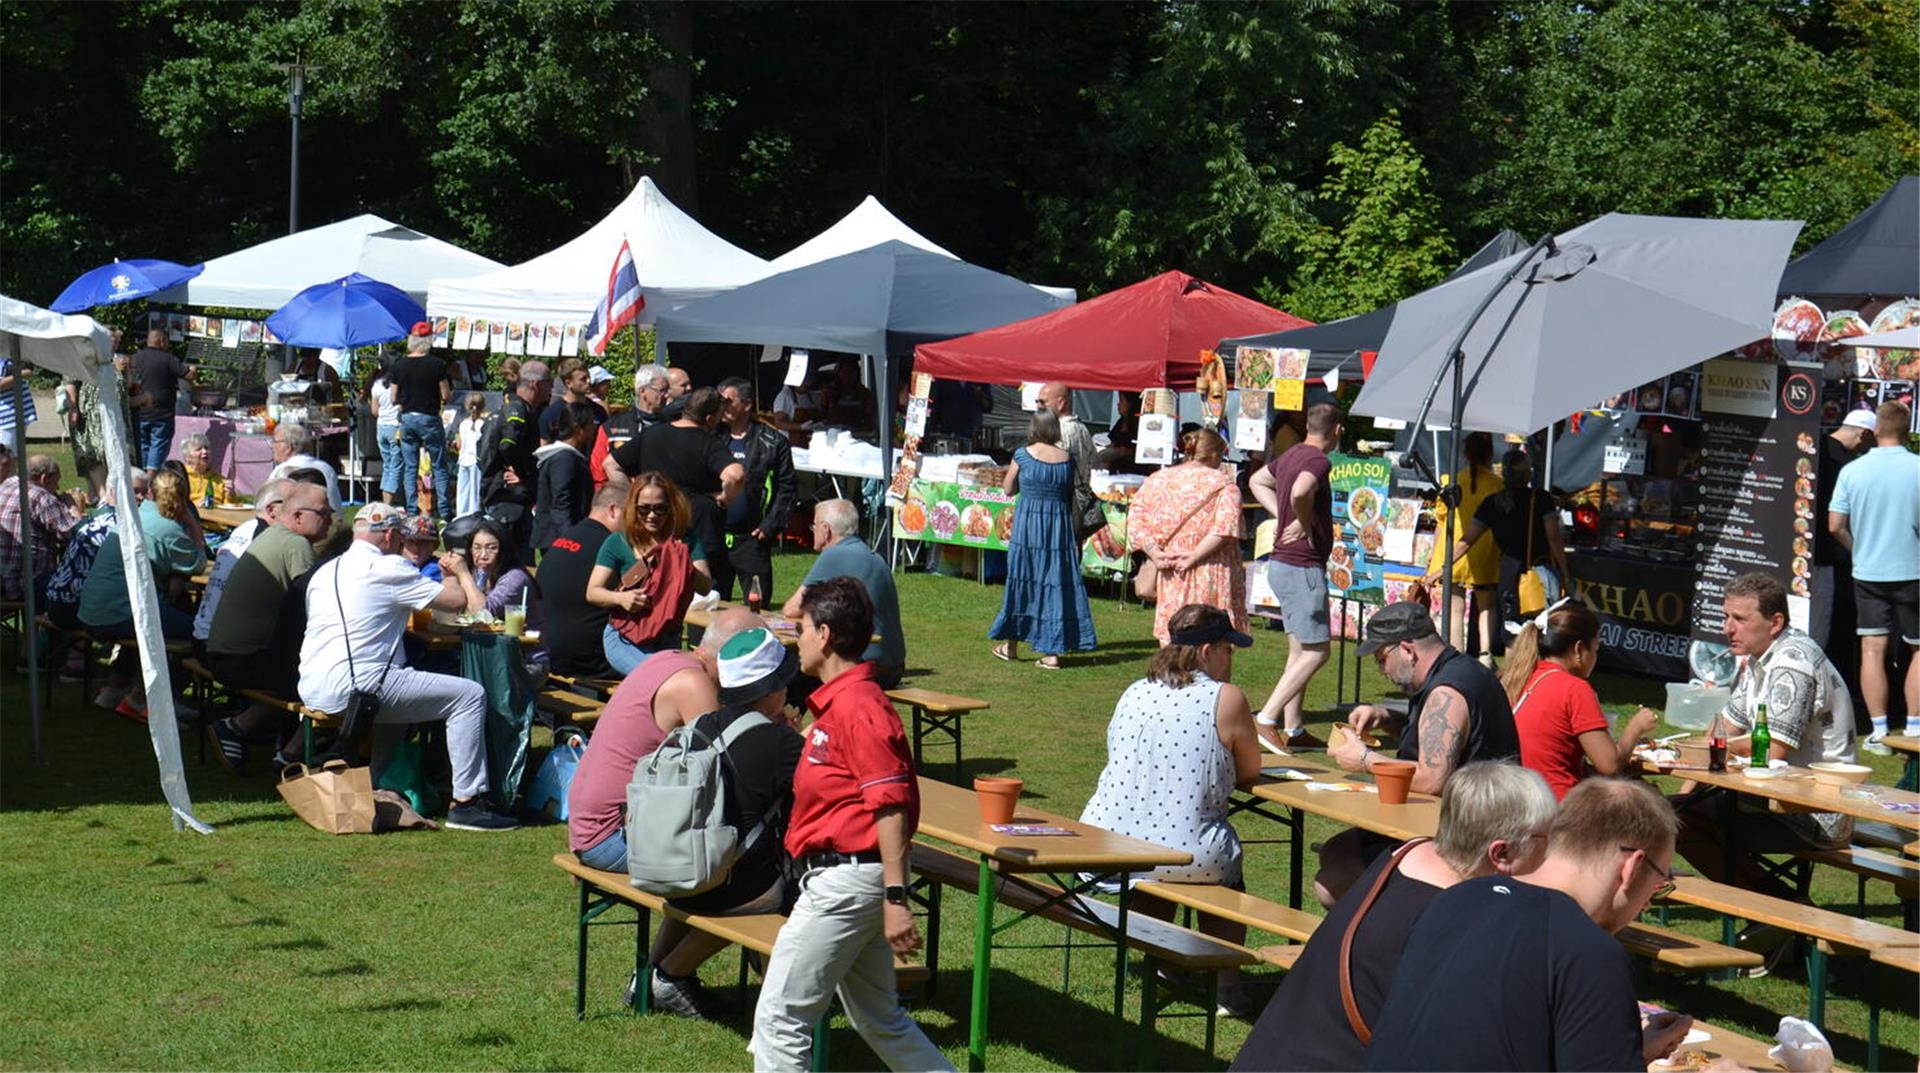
<point x="623" y="655"/>
<point x="470" y="482"/>
<point x="609" y="854"/>
<point x="388" y="437"/>
<point x="153" y="440"/>
<point x="424" y="432"/>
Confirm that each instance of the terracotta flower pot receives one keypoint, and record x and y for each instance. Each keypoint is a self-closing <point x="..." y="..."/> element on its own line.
<point x="998" y="796"/>
<point x="1393" y="778"/>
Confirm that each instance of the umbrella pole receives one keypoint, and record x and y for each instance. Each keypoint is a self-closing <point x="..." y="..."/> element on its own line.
<point x="29" y="632"/>
<point x="1451" y="496"/>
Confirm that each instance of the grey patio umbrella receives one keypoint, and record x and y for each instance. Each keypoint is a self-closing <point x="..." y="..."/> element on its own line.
<point x="1581" y="316"/>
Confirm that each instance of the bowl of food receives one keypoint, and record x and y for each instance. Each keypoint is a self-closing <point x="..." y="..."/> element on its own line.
<point x="1343" y="731"/>
<point x="1692" y="752"/>
<point x="1835" y="773"/>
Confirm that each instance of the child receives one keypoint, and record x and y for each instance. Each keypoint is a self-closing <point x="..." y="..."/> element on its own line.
<point x="467" y="436"/>
<point x="420" y="539"/>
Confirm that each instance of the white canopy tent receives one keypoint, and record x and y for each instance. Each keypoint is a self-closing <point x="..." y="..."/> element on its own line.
<point x="77" y="347"/>
<point x="267" y="276"/>
<point x="678" y="261"/>
<point x="869" y="224"/>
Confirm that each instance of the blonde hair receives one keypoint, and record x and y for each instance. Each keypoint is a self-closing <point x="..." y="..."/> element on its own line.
<point x="1600" y="815"/>
<point x="1487" y="802"/>
<point x="168" y="491"/>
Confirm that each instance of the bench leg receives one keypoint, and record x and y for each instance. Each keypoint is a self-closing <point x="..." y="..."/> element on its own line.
<point x="982" y="969"/>
<point x="1120" y="975"/>
<point x="580" y="957"/>
<point x="820" y="1035"/>
<point x="1213" y="1009"/>
<point x="1873" y="1020"/>
<point x="1817" y="986"/>
<point x="919" y="741"/>
<point x="642" y="961"/>
<point x="933" y="939"/>
<point x="1149" y="1014"/>
<point x="958" y="763"/>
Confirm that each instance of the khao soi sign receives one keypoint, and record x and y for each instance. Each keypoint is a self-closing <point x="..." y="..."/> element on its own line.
<point x="1355" y="567"/>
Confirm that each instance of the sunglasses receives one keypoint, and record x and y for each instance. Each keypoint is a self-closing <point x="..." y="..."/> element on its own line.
<point x="324" y="512"/>
<point x="652" y="508"/>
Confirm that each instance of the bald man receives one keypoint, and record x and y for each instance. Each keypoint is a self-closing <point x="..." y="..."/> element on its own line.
<point x="155" y="389"/>
<point x="1078" y="442"/>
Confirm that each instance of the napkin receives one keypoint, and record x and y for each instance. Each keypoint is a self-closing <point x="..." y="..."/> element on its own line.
<point x="706" y="601"/>
<point x="1342" y="787"/>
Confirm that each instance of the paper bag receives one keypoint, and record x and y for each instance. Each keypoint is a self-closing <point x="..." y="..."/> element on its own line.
<point x="336" y="799"/>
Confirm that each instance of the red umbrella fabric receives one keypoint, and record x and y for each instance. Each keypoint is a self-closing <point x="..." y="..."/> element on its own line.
<point x="1146" y="335"/>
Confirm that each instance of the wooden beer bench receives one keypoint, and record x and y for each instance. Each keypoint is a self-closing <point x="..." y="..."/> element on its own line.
<point x="569" y="708"/>
<point x="936" y="713"/>
<point x="753" y="933"/>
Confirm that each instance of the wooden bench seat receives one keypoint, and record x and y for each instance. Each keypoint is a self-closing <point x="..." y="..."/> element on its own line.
<point x="1238" y="906"/>
<point x="569" y="708"/>
<point x="1879" y="835"/>
<point x="936" y="713"/>
<point x="1679" y="952"/>
<point x="599" y="688"/>
<point x="1867" y="863"/>
<point x="755" y="932"/>
<point x="309" y="717"/>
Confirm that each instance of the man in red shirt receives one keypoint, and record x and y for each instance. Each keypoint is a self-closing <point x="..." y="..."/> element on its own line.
<point x="1294" y="488"/>
<point x="855" y="808"/>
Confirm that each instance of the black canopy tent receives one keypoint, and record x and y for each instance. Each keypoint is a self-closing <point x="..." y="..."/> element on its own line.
<point x="1877" y="253"/>
<point x="879" y="302"/>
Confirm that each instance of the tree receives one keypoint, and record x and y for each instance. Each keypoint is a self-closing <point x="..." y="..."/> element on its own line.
<point x="1390" y="243"/>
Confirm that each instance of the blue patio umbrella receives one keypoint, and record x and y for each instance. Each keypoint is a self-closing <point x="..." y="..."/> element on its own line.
<point x="122" y="281"/>
<point x="351" y="311"/>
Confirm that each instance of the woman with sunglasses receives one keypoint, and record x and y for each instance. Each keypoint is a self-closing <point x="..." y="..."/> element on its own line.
<point x="1563" y="733"/>
<point x="646" y="574"/>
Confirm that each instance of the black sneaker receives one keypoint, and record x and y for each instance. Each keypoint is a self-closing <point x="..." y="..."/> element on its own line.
<point x="686" y="997"/>
<point x="477" y="815"/>
<point x="229" y="745"/>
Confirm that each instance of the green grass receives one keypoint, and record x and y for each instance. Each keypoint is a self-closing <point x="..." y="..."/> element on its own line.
<point x="268" y="945"/>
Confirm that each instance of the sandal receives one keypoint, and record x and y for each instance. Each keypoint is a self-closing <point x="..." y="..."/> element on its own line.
<point x="1048" y="663"/>
<point x="1002" y="652"/>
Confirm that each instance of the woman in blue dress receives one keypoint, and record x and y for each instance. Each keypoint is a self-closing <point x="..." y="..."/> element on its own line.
<point x="1045" y="603"/>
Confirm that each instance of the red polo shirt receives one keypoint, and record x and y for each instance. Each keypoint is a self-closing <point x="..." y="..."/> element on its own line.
<point x="856" y="762"/>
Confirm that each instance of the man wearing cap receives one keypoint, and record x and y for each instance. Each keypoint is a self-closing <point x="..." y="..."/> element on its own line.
<point x="357" y="610"/>
<point x="1833" y="617"/>
<point x="855" y="807"/>
<point x="754" y="669"/>
<point x="420" y="389"/>
<point x="1457" y="714"/>
<point x="507" y="460"/>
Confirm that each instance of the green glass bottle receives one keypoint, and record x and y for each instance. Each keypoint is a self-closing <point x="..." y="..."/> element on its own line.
<point x="1762" y="737"/>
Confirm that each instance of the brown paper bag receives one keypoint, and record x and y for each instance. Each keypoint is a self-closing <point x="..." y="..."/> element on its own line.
<point x="336" y="799"/>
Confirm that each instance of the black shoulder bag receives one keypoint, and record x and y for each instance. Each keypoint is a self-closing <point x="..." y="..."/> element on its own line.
<point x="363" y="707"/>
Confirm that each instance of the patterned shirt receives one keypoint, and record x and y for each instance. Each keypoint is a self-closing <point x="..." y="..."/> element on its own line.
<point x="52" y="522"/>
<point x="70" y="574"/>
<point x="1808" y="711"/>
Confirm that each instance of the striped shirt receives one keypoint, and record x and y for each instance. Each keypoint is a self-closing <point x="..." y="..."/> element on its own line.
<point x="9" y="367"/>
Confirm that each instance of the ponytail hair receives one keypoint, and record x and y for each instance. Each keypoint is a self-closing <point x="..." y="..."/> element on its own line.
<point x="1567" y="624"/>
<point x="1203" y="443"/>
<point x="1477" y="448"/>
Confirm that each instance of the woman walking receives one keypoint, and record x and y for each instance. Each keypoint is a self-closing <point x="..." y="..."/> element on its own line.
<point x="1187" y="520"/>
<point x="1045" y="603"/>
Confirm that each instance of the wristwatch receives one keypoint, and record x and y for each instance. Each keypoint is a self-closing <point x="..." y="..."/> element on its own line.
<point x="896" y="894"/>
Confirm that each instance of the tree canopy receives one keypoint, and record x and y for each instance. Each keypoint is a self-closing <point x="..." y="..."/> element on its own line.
<point x="1329" y="154"/>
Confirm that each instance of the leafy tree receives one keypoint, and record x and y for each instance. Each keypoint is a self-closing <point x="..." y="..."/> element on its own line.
<point x="1390" y="243"/>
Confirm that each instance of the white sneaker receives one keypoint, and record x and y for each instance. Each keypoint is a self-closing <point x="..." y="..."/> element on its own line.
<point x="1876" y="744"/>
<point x="109" y="697"/>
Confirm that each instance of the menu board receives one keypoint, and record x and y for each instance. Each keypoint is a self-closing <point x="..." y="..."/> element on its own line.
<point x="1756" y="489"/>
<point x="942" y="513"/>
<point x="1355" y="567"/>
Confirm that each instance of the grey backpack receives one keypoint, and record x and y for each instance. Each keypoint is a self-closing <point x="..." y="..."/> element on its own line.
<point x="678" y="840"/>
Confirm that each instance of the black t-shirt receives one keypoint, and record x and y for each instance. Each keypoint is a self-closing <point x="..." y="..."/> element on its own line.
<point x="1506" y="514"/>
<point x="158" y="373"/>
<point x="760" y="783"/>
<point x="1490" y="731"/>
<point x="1826" y="550"/>
<point x="691" y="458"/>
<point x="553" y="411"/>
<point x="1500" y="974"/>
<point x="1304" y="1027"/>
<point x="573" y="626"/>
<point x="416" y="383"/>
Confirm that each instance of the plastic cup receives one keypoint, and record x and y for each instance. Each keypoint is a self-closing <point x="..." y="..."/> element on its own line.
<point x="1393" y="778"/>
<point x="422" y="620"/>
<point x="998" y="796"/>
<point x="516" y="621"/>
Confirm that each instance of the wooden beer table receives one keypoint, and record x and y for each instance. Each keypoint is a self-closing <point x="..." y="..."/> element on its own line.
<point x="1910" y="745"/>
<point x="231" y="516"/>
<point x="1359" y="807"/>
<point x="1722" y="1043"/>
<point x="952" y="814"/>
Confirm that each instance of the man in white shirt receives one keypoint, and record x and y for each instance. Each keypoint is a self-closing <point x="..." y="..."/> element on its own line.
<point x="293" y="449"/>
<point x="357" y="610"/>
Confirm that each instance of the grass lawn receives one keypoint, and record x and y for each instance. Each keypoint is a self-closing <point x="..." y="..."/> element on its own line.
<point x="268" y="945"/>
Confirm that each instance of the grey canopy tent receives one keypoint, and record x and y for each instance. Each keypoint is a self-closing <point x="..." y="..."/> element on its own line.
<point x="1334" y="342"/>
<point x="878" y="302"/>
<point x="1877" y="253"/>
<point x="78" y="348"/>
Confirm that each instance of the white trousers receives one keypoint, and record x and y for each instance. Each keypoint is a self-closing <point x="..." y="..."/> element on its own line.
<point x="410" y="696"/>
<point x="834" y="940"/>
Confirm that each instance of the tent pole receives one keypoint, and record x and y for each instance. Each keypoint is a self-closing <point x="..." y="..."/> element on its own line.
<point x="883" y="399"/>
<point x="1459" y="363"/>
<point x="29" y="633"/>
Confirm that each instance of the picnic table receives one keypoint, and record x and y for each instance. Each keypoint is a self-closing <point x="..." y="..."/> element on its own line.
<point x="951" y="814"/>
<point x="1910" y="745"/>
<point x="230" y="516"/>
<point x="1357" y="806"/>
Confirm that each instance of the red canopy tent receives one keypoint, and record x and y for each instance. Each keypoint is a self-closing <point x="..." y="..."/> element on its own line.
<point x="1147" y="335"/>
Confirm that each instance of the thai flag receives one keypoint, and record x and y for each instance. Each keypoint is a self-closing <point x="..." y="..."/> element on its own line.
<point x="621" y="306"/>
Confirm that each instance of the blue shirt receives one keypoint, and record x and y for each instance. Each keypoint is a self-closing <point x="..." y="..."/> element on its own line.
<point x="1879" y="492"/>
<point x="851" y="557"/>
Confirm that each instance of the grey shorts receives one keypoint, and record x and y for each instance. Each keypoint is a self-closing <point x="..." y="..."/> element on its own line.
<point x="1302" y="592"/>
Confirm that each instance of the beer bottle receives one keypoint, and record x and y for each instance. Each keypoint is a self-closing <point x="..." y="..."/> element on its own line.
<point x="1762" y="738"/>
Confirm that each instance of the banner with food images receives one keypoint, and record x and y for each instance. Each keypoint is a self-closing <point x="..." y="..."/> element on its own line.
<point x="1290" y="379"/>
<point x="939" y="512"/>
<point x="1356" y="566"/>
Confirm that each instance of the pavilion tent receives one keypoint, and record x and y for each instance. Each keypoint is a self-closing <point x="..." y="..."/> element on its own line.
<point x="1148" y="334"/>
<point x="678" y="260"/>
<point x="869" y="224"/>
<point x="1877" y="253"/>
<point x="879" y="302"/>
<point x="78" y="348"/>
<point x="268" y="275"/>
<point x="1334" y="342"/>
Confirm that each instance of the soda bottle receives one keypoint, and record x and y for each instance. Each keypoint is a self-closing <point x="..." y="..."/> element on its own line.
<point x="1762" y="737"/>
<point x="754" y="596"/>
<point x="1717" y="744"/>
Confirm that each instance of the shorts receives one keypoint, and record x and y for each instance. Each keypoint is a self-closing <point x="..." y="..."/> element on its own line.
<point x="1302" y="592"/>
<point x="1884" y="607"/>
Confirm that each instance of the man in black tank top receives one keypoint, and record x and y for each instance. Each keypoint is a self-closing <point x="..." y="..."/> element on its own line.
<point x="1458" y="714"/>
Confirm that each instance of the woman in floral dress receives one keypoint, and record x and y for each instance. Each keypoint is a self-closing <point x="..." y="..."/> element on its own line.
<point x="1200" y="560"/>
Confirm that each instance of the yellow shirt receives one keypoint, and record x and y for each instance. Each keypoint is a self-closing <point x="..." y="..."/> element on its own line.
<point x="200" y="486"/>
<point x="1482" y="564"/>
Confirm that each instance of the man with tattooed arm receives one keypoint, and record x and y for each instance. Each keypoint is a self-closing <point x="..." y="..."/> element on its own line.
<point x="1457" y="714"/>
